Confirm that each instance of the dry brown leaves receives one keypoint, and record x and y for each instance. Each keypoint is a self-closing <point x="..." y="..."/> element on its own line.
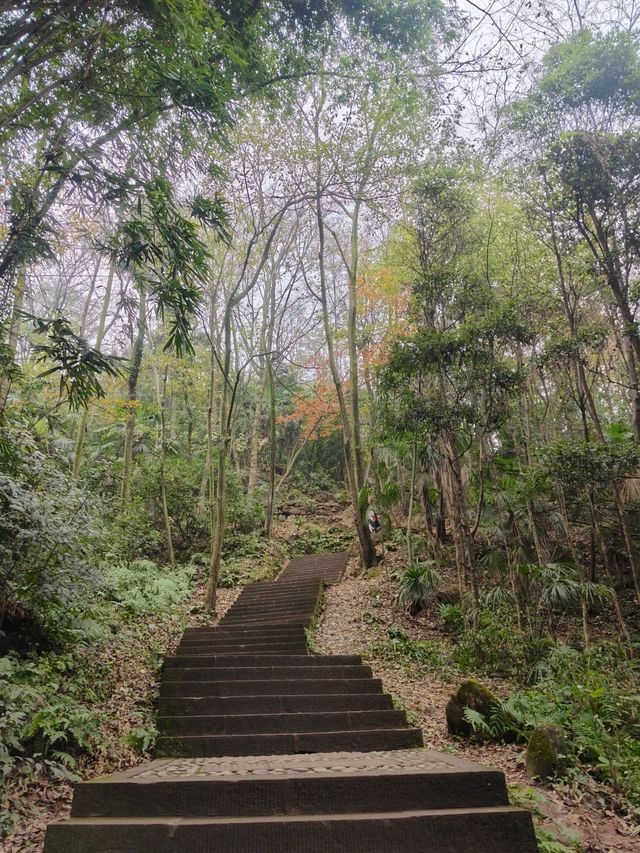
<point x="131" y="660"/>
<point x="343" y="630"/>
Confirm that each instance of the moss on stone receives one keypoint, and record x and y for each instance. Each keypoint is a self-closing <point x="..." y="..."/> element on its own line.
<point x="471" y="694"/>
<point x="546" y="751"/>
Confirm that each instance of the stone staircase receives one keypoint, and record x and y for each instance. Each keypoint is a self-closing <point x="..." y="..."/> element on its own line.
<point x="264" y="747"/>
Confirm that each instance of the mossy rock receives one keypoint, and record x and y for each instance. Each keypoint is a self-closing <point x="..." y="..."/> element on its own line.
<point x="471" y="694"/>
<point x="546" y="752"/>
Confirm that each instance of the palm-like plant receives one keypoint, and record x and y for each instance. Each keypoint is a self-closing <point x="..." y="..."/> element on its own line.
<point x="417" y="584"/>
<point x="564" y="589"/>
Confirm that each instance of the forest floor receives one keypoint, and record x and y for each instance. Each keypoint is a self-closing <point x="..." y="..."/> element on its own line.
<point x="134" y="660"/>
<point x="357" y="614"/>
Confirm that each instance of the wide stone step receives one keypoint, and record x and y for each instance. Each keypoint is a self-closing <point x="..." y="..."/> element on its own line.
<point x="292" y="785"/>
<point x="302" y="615"/>
<point x="499" y="829"/>
<point x="262" y="659"/>
<point x="282" y="582"/>
<point x="316" y="702"/>
<point x="262" y="631"/>
<point x="316" y="721"/>
<point x="215" y="648"/>
<point x="276" y="596"/>
<point x="236" y="639"/>
<point x="275" y="600"/>
<point x="289" y="743"/>
<point x="261" y="673"/>
<point x="271" y="687"/>
<point x="252" y="613"/>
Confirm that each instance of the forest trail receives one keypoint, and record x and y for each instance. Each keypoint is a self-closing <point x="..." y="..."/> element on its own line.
<point x="266" y="747"/>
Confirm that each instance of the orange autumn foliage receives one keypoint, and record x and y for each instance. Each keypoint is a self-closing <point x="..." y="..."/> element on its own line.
<point x="317" y="412"/>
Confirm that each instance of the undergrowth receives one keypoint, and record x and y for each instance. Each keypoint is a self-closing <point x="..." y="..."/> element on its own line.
<point x="52" y="704"/>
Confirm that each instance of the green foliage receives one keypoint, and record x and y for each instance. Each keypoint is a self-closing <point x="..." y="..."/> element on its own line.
<point x="418" y="583"/>
<point x="415" y="656"/>
<point x="595" y="698"/>
<point x="317" y="538"/>
<point x="132" y="533"/>
<point x="548" y="842"/>
<point x="50" y="545"/>
<point x="46" y="719"/>
<point x="142" y="588"/>
<point x="452" y="618"/>
<point x="78" y="365"/>
<point x="142" y="738"/>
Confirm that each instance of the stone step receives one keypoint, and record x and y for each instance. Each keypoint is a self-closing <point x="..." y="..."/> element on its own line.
<point x="276" y="612"/>
<point x="283" y="582"/>
<point x="271" y="687"/>
<point x="262" y="631"/>
<point x="289" y="743"/>
<point x="175" y="706"/>
<point x="256" y="621"/>
<point x="255" y="614"/>
<point x="275" y="600"/>
<point x="262" y="673"/>
<point x="281" y="722"/>
<point x="500" y="829"/>
<point x="242" y="637"/>
<point x="196" y="789"/>
<point x="272" y="596"/>
<point x="215" y="648"/>
<point x="205" y="659"/>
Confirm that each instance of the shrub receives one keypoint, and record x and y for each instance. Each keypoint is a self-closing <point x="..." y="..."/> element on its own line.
<point x="143" y="587"/>
<point x="50" y="547"/>
<point x="413" y="655"/>
<point x="418" y="583"/>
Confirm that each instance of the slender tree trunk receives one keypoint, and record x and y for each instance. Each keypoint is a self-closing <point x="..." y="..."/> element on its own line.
<point x="84" y="417"/>
<point x="272" y="449"/>
<point x="189" y="411"/>
<point x="12" y="339"/>
<point x="211" y="446"/>
<point x="428" y="509"/>
<point x="456" y="506"/>
<point x="254" y="443"/>
<point x="132" y="400"/>
<point x="162" y="452"/>
<point x="223" y="450"/>
<point x="608" y="569"/>
<point x="412" y="489"/>
<point x="89" y="299"/>
<point x="367" y="548"/>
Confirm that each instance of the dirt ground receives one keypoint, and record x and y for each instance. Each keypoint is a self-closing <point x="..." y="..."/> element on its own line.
<point x="357" y="613"/>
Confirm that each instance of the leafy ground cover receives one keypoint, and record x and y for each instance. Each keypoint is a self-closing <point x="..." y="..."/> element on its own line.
<point x="90" y="709"/>
<point x="594" y="696"/>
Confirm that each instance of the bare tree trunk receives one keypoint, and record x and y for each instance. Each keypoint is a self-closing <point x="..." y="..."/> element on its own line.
<point x="89" y="299"/>
<point x="162" y="450"/>
<point x="608" y="570"/>
<point x="456" y="506"/>
<point x="132" y="399"/>
<point x="84" y="417"/>
<point x="255" y="437"/>
<point x="428" y="509"/>
<point x="412" y="489"/>
<point x="353" y="467"/>
<point x="12" y="339"/>
<point x="272" y="449"/>
<point x="221" y="482"/>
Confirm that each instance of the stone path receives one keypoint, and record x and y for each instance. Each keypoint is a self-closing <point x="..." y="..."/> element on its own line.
<point x="264" y="747"/>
